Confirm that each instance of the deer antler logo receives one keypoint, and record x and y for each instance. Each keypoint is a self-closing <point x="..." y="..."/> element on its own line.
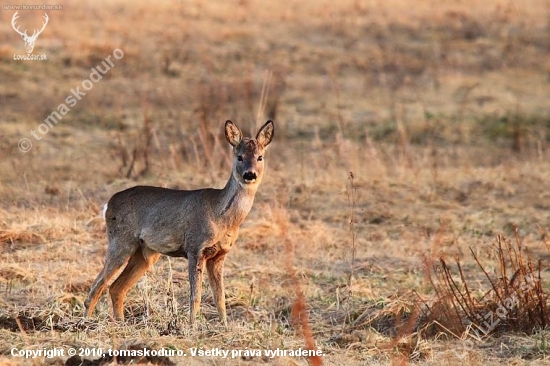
<point x="29" y="41"/>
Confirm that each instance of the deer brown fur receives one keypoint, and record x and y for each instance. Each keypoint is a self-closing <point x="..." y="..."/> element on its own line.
<point x="201" y="225"/>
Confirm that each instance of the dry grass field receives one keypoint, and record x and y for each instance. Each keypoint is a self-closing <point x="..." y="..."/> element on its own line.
<point x="406" y="134"/>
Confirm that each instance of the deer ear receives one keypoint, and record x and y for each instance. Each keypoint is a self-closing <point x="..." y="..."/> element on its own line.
<point x="232" y="133"/>
<point x="265" y="134"/>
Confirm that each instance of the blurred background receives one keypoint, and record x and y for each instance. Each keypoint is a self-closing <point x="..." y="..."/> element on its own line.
<point x="452" y="73"/>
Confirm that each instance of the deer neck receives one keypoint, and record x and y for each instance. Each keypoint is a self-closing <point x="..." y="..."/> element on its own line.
<point x="236" y="201"/>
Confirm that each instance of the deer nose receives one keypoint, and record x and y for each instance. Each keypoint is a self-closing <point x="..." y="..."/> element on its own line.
<point x="249" y="177"/>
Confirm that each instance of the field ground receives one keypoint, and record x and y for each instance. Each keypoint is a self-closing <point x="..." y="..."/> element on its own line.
<point x="440" y="111"/>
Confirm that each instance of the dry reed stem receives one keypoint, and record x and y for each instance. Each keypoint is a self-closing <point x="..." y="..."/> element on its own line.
<point x="299" y="312"/>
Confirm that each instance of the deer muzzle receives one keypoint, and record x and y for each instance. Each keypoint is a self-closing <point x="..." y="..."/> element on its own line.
<point x="249" y="177"/>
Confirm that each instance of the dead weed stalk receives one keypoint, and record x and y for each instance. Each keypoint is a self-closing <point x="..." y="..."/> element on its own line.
<point x="299" y="311"/>
<point x="515" y="300"/>
<point x="352" y="201"/>
<point x="139" y="153"/>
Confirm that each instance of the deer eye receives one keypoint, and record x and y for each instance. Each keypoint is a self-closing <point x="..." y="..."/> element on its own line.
<point x="260" y="158"/>
<point x="240" y="158"/>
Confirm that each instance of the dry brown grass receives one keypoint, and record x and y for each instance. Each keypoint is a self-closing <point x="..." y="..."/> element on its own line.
<point x="439" y="110"/>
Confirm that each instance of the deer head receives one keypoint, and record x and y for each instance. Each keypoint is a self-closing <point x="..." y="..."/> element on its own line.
<point x="248" y="165"/>
<point x="29" y="40"/>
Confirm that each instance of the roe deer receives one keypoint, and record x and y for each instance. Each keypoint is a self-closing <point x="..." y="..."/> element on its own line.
<point x="200" y="225"/>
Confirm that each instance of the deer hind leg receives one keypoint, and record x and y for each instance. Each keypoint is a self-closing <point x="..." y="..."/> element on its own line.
<point x="215" y="278"/>
<point x="118" y="254"/>
<point x="139" y="263"/>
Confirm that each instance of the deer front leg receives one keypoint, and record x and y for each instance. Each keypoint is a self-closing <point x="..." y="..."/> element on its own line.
<point x="215" y="278"/>
<point x="196" y="266"/>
